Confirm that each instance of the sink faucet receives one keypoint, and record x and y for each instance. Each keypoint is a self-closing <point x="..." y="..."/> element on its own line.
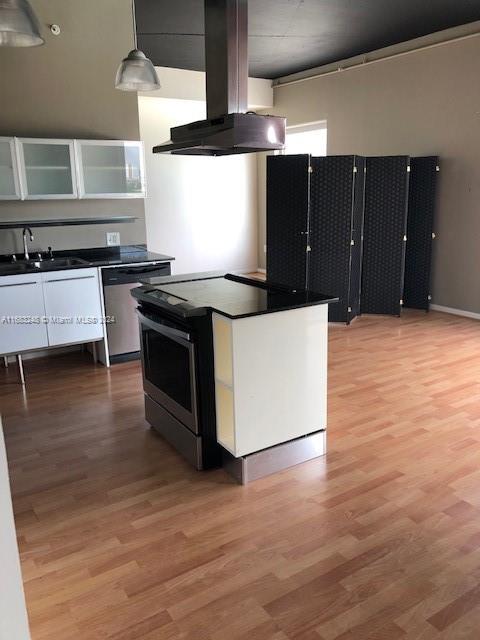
<point x="25" y="231"/>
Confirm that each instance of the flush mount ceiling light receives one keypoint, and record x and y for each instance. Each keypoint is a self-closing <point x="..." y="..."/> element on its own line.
<point x="19" y="26"/>
<point x="136" y="72"/>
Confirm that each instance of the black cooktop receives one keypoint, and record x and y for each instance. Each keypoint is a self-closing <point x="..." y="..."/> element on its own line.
<point x="231" y="295"/>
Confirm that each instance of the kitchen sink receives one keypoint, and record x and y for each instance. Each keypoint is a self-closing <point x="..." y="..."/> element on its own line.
<point x="28" y="266"/>
<point x="58" y="263"/>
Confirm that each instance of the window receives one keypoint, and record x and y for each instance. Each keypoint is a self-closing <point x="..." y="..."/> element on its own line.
<point x="311" y="138"/>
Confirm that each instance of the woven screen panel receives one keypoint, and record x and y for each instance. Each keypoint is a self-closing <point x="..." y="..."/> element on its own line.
<point x="331" y="215"/>
<point x="386" y="199"/>
<point x="357" y="237"/>
<point x="288" y="196"/>
<point x="421" y="217"/>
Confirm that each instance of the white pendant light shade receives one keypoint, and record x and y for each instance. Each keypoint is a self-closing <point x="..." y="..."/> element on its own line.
<point x="19" y="26"/>
<point x="136" y="73"/>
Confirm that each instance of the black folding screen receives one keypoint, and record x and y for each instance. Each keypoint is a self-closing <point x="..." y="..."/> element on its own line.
<point x="314" y="226"/>
<point x="421" y="209"/>
<point x="336" y="221"/>
<point x="385" y="229"/>
<point x="288" y="201"/>
<point x="338" y="225"/>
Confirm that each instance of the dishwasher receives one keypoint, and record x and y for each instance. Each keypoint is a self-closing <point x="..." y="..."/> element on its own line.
<point x="122" y="322"/>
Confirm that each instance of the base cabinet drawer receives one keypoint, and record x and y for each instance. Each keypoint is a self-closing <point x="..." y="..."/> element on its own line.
<point x="22" y="311"/>
<point x="73" y="306"/>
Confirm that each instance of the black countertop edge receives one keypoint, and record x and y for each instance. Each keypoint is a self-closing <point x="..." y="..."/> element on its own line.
<point x="92" y="257"/>
<point x="289" y="307"/>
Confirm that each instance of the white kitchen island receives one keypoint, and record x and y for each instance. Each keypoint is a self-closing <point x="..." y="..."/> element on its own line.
<point x="254" y="373"/>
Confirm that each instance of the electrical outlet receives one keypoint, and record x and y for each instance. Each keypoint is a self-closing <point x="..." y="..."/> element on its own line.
<point x="113" y="238"/>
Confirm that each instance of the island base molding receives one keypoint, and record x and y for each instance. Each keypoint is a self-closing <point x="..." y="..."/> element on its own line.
<point x="282" y="456"/>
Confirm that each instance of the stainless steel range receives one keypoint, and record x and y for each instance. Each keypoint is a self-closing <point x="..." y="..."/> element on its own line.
<point x="178" y="376"/>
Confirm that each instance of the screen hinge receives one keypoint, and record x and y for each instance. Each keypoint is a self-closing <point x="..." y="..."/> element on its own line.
<point x="408" y="169"/>
<point x="401" y="303"/>
<point x="310" y="169"/>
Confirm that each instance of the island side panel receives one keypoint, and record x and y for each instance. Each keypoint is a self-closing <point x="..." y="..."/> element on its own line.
<point x="279" y="377"/>
<point x="223" y="365"/>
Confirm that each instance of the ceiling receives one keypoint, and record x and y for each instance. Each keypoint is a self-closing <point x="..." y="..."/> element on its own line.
<point x="286" y="36"/>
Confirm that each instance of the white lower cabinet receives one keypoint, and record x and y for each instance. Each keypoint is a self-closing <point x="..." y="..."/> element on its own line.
<point x="270" y="378"/>
<point x="50" y="309"/>
<point x="73" y="306"/>
<point x="21" y="314"/>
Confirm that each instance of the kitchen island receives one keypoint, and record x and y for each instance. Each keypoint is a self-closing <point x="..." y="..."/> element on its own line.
<point x="235" y="370"/>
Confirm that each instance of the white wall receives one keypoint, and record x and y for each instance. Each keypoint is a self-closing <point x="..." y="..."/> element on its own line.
<point x="202" y="210"/>
<point x="13" y="615"/>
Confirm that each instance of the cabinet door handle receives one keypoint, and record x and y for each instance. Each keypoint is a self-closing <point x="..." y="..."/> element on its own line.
<point x="18" y="284"/>
<point x="67" y="279"/>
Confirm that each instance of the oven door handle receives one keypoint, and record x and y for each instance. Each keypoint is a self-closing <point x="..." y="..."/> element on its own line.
<point x="170" y="332"/>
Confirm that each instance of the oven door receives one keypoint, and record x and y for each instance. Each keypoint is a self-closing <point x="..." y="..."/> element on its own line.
<point x="168" y="361"/>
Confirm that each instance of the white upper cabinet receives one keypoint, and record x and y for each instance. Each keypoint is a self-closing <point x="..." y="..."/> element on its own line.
<point x="110" y="169"/>
<point x="47" y="169"/>
<point x="9" y="183"/>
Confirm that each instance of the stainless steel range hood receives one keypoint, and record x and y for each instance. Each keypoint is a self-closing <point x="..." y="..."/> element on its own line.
<point x="229" y="128"/>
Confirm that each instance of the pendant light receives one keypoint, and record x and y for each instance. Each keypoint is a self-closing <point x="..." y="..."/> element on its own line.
<point x="19" y="26"/>
<point x="136" y="72"/>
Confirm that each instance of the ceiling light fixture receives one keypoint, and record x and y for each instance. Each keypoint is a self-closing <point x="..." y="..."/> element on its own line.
<point x="136" y="72"/>
<point x="19" y="26"/>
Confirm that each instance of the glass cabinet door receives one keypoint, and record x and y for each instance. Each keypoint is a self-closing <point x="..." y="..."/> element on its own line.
<point x="110" y="169"/>
<point x="9" y="184"/>
<point x="47" y="169"/>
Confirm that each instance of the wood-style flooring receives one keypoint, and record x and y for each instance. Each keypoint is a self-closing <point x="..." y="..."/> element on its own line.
<point x="120" y="539"/>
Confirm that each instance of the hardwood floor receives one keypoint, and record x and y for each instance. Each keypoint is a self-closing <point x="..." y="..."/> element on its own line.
<point x="120" y="539"/>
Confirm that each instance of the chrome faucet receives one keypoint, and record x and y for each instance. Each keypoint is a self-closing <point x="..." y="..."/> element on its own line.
<point x="25" y="250"/>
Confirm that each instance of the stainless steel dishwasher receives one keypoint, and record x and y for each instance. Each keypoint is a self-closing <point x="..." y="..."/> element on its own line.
<point x="123" y="333"/>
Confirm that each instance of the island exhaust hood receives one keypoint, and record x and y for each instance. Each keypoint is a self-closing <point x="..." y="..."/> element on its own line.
<point x="229" y="128"/>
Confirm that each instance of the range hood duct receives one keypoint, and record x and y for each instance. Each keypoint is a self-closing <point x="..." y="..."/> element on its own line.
<point x="229" y="128"/>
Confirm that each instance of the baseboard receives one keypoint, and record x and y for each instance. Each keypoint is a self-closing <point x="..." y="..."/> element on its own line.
<point x="455" y="312"/>
<point x="260" y="270"/>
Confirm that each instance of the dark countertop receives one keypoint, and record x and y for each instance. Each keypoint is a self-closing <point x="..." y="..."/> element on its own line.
<point x="231" y="295"/>
<point x="95" y="257"/>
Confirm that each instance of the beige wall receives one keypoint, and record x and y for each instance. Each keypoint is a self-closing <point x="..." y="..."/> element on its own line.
<point x="423" y="103"/>
<point x="65" y="88"/>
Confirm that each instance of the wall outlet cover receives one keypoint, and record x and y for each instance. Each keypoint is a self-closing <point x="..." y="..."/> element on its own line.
<point x="113" y="238"/>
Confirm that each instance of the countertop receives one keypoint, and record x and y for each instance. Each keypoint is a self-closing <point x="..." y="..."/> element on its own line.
<point x="94" y="257"/>
<point x="231" y="295"/>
